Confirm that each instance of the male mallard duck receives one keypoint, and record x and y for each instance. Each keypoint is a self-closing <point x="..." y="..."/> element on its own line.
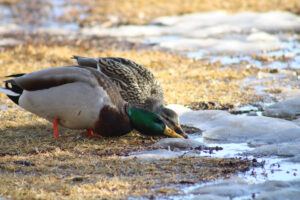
<point x="81" y="98"/>
<point x="136" y="84"/>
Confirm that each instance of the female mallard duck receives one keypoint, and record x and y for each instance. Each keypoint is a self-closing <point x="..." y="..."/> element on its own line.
<point x="81" y="98"/>
<point x="137" y="86"/>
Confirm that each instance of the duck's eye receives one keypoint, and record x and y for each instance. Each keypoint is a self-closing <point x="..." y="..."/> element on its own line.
<point x="172" y="123"/>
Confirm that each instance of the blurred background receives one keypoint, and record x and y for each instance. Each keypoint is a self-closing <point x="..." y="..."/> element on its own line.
<point x="235" y="63"/>
<point x="73" y="14"/>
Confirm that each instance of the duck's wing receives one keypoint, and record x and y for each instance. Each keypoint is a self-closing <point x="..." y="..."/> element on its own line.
<point x="138" y="69"/>
<point x="58" y="76"/>
<point x="129" y="72"/>
<point x="112" y="66"/>
<point x="133" y="87"/>
<point x="136" y="83"/>
<point x="52" y="77"/>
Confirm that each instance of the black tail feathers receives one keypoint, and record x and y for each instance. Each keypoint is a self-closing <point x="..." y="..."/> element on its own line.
<point x="12" y="86"/>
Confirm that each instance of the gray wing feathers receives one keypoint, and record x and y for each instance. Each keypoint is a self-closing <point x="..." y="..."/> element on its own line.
<point x="53" y="77"/>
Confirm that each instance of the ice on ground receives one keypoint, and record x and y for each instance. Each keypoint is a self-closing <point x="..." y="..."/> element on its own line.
<point x="270" y="136"/>
<point x="219" y="46"/>
<point x="211" y="32"/>
<point x="289" y="149"/>
<point x="231" y="188"/>
<point x="289" y="109"/>
<point x="178" y="143"/>
<point x="53" y="31"/>
<point x="10" y="28"/>
<point x="208" y="197"/>
<point x="125" y="31"/>
<point x="240" y="188"/>
<point x="9" y="42"/>
<point x="223" y="126"/>
<point x="288" y="93"/>
<point x="281" y="74"/>
<point x="154" y="155"/>
<point x="297" y="121"/>
<point x="264" y="81"/>
<point x="269" y="21"/>
<point x="261" y="36"/>
<point x="286" y="193"/>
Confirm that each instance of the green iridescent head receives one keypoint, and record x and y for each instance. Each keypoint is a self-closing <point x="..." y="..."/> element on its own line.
<point x="149" y="123"/>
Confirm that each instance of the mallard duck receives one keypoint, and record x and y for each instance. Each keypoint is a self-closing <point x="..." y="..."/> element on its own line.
<point x="137" y="86"/>
<point x="81" y="98"/>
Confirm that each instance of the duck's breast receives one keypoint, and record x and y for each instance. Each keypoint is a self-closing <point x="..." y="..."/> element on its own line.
<point x="75" y="105"/>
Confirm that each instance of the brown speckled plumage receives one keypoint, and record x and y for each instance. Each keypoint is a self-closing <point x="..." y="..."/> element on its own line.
<point x="136" y="84"/>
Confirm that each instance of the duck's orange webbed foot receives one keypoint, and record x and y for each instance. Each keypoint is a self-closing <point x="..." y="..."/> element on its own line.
<point x="91" y="134"/>
<point x="55" y="129"/>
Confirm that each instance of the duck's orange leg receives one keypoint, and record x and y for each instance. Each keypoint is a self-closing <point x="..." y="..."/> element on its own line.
<point x="91" y="134"/>
<point x="55" y="129"/>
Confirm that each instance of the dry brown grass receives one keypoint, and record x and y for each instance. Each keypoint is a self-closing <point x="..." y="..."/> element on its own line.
<point x="69" y="174"/>
<point x="9" y="2"/>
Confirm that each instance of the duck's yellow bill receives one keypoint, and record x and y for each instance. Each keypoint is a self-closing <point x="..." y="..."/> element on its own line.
<point x="179" y="130"/>
<point x="171" y="133"/>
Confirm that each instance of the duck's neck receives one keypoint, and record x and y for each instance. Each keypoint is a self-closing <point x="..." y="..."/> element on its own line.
<point x="112" y="122"/>
<point x="132" y="113"/>
<point x="141" y="120"/>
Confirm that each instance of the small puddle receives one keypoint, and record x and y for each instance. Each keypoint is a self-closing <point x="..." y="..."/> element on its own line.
<point x="275" y="168"/>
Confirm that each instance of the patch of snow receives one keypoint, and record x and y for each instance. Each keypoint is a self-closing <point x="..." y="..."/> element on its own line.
<point x="288" y="93"/>
<point x="247" y="21"/>
<point x="10" y="28"/>
<point x="289" y="108"/>
<point x="223" y="126"/>
<point x="124" y="31"/>
<point x="289" y="149"/>
<point x="9" y="42"/>
<point x="281" y="74"/>
<point x="239" y="188"/>
<point x="178" y="143"/>
<point x="53" y="31"/>
<point x="261" y="36"/>
<point x="297" y="121"/>
<point x="153" y="155"/>
<point x="218" y="46"/>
